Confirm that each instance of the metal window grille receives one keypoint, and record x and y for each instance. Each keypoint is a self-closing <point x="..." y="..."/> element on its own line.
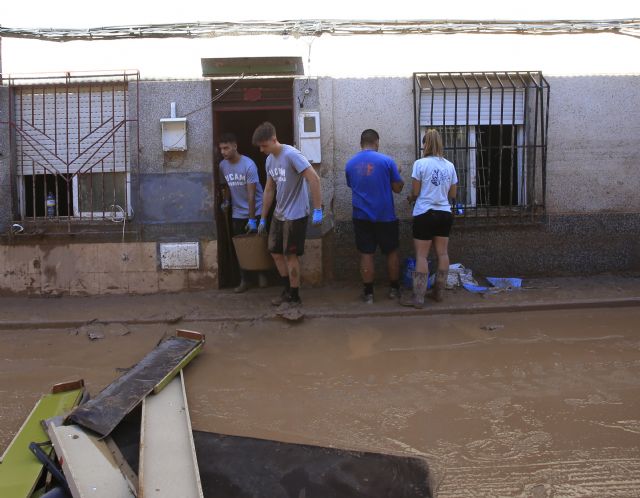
<point x="71" y="146"/>
<point x="494" y="130"/>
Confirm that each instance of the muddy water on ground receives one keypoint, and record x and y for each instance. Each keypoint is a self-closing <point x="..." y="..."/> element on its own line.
<point x="533" y="404"/>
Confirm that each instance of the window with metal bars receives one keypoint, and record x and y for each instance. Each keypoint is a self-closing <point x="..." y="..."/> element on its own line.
<point x="494" y="130"/>
<point x="72" y="151"/>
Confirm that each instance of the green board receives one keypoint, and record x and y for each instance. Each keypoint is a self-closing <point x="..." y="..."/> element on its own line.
<point x="20" y="470"/>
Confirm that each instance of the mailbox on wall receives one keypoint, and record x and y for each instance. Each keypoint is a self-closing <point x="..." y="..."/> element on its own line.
<point x="309" y="135"/>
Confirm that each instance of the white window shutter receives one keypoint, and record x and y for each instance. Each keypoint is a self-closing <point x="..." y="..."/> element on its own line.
<point x="71" y="131"/>
<point x="440" y="108"/>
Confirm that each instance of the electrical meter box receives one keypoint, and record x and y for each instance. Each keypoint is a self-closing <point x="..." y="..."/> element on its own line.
<point x="309" y="135"/>
<point x="174" y="134"/>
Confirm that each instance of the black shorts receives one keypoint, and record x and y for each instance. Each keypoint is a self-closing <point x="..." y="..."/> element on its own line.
<point x="287" y="237"/>
<point x="433" y="223"/>
<point x="237" y="226"/>
<point x="371" y="234"/>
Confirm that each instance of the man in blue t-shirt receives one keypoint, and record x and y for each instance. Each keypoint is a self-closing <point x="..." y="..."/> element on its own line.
<point x="373" y="179"/>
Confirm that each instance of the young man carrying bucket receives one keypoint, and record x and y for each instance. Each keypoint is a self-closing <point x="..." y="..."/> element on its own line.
<point x="288" y="173"/>
<point x="239" y="175"/>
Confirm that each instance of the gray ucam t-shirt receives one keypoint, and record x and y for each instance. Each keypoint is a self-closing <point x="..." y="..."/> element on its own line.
<point x="292" y="195"/>
<point x="236" y="177"/>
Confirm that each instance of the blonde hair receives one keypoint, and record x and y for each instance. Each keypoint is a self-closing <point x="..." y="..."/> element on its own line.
<point x="432" y="144"/>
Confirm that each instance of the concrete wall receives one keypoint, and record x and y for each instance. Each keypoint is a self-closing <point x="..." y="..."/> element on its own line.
<point x="98" y="268"/>
<point x="593" y="206"/>
<point x="593" y="176"/>
<point x="173" y="199"/>
<point x="50" y="268"/>
<point x="593" y="161"/>
<point x="176" y="188"/>
<point x="350" y="106"/>
<point x="593" y="151"/>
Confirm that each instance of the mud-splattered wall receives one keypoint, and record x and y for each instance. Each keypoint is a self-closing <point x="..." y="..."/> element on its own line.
<point x="55" y="269"/>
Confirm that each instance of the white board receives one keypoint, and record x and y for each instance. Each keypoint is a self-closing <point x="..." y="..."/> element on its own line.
<point x="87" y="463"/>
<point x="168" y="464"/>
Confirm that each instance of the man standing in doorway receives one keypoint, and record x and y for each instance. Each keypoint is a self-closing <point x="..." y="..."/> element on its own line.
<point x="373" y="178"/>
<point x="288" y="173"/>
<point x="239" y="175"/>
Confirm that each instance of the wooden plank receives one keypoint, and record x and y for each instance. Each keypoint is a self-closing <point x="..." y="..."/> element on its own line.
<point x="123" y="465"/>
<point x="168" y="463"/>
<point x="111" y="405"/>
<point x="67" y="386"/>
<point x="185" y="361"/>
<point x="87" y="463"/>
<point x="20" y="470"/>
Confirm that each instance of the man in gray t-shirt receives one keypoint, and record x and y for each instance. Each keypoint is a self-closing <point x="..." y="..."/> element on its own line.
<point x="288" y="173"/>
<point x="292" y="195"/>
<point x="241" y="179"/>
<point x="241" y="186"/>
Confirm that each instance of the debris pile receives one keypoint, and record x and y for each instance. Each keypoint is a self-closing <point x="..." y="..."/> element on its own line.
<point x="134" y="439"/>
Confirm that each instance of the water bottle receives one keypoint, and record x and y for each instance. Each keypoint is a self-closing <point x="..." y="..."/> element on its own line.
<point x="51" y="205"/>
<point x="459" y="208"/>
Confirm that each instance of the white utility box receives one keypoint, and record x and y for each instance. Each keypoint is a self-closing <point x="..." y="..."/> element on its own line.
<point x="174" y="132"/>
<point x="309" y="135"/>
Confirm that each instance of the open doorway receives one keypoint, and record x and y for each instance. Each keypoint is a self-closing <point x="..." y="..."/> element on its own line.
<point x="241" y="118"/>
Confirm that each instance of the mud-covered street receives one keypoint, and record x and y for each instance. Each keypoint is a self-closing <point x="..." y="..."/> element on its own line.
<point x="536" y="404"/>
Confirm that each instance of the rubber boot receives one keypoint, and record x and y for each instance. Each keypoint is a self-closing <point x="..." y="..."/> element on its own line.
<point x="262" y="280"/>
<point x="243" y="283"/>
<point x="419" y="290"/>
<point x="440" y="285"/>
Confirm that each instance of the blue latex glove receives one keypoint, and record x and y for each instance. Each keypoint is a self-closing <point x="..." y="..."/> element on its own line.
<point x="251" y="226"/>
<point x="317" y="217"/>
<point x="262" y="227"/>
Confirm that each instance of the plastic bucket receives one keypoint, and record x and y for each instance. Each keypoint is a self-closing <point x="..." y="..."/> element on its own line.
<point x="252" y="253"/>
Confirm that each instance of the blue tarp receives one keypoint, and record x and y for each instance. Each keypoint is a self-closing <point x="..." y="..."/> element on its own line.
<point x="497" y="284"/>
<point x="505" y="283"/>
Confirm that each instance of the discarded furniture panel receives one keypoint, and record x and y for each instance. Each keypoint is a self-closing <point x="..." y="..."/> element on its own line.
<point x="20" y="470"/>
<point x="186" y="334"/>
<point x="154" y="371"/>
<point x="232" y="466"/>
<point x="123" y="465"/>
<point x="87" y="463"/>
<point x="168" y="466"/>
